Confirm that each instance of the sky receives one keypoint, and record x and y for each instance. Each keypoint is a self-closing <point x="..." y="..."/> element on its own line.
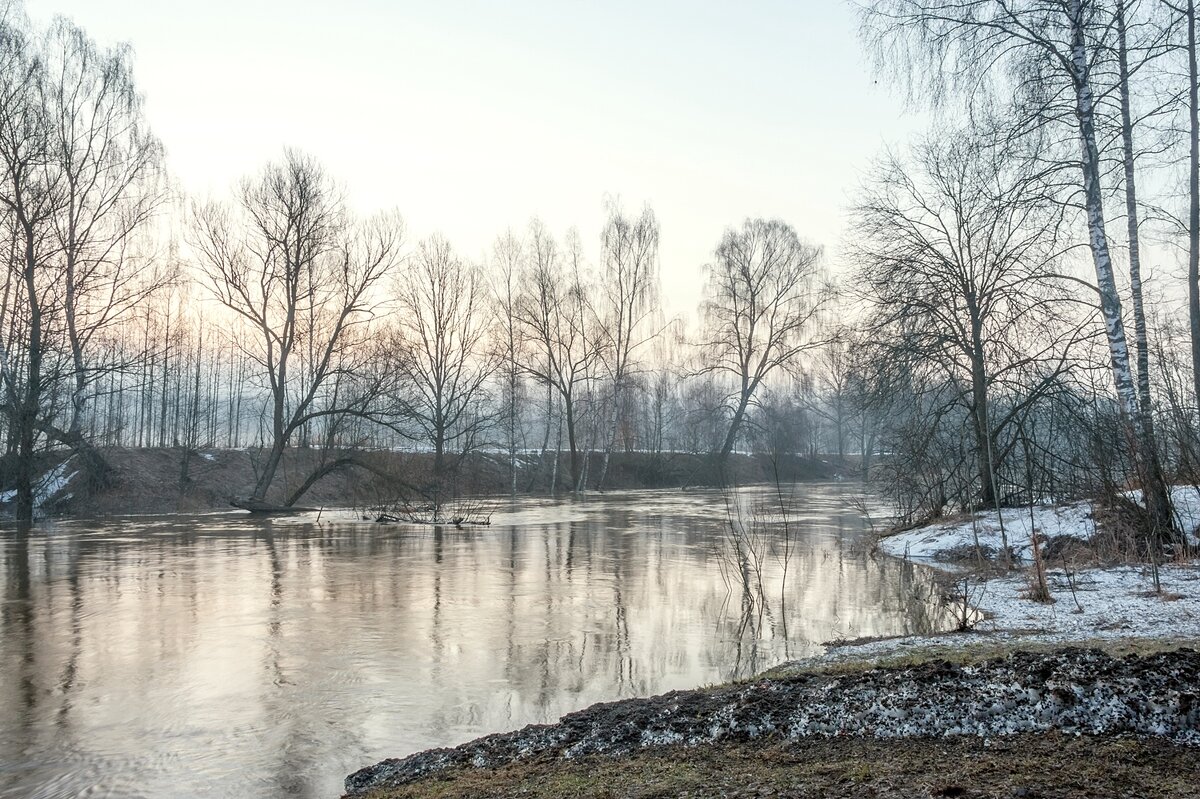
<point x="470" y="118"/>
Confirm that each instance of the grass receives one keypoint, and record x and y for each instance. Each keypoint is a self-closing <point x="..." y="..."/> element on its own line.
<point x="976" y="648"/>
<point x="1049" y="765"/>
<point x="1030" y="765"/>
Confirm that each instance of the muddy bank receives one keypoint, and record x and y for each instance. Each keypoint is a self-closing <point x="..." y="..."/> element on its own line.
<point x="165" y="480"/>
<point x="1075" y="691"/>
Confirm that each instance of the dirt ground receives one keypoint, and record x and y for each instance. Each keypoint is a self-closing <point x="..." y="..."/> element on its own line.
<point x="1070" y="722"/>
<point x="1048" y="765"/>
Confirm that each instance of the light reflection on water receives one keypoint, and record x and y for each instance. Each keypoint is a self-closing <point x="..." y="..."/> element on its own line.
<point x="221" y="655"/>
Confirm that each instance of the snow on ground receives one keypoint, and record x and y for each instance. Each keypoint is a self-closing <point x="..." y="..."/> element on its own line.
<point x="1089" y="605"/>
<point x="1096" y="603"/>
<point x="1186" y="503"/>
<point x="1100" y="603"/>
<point x="957" y="539"/>
<point x="48" y="487"/>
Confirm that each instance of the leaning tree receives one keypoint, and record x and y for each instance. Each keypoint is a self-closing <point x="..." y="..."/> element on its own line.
<point x="289" y="261"/>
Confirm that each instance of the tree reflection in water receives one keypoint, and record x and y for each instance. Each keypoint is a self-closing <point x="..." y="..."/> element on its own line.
<point x="272" y="657"/>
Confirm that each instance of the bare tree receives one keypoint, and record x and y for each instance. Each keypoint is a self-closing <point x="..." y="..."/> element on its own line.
<point x="764" y="295"/>
<point x="111" y="183"/>
<point x="834" y="380"/>
<point x="508" y="256"/>
<point x="79" y="180"/>
<point x="291" y="264"/>
<point x="1188" y="11"/>
<point x="30" y="202"/>
<point x="555" y="314"/>
<point x="958" y="254"/>
<point x="1047" y="50"/>
<point x="444" y="362"/>
<point x="1154" y="480"/>
<point x="629" y="292"/>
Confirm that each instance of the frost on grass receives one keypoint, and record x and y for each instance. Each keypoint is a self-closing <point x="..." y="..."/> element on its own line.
<point x="1077" y="691"/>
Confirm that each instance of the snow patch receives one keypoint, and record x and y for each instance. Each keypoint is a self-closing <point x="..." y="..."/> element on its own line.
<point x="48" y="486"/>
<point x="1090" y="604"/>
<point x="989" y="530"/>
<point x="960" y="538"/>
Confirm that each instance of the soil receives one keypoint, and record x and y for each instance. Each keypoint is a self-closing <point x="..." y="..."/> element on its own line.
<point x="1049" y="766"/>
<point x="1030" y="724"/>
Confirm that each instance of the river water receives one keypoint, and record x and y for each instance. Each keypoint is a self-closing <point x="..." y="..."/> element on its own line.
<point x="224" y="655"/>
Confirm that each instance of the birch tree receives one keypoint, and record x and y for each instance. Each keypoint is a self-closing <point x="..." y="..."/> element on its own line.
<point x="628" y="304"/>
<point x="1044" y="49"/>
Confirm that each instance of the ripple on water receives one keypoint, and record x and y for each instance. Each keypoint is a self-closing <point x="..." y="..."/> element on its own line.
<point x="227" y="655"/>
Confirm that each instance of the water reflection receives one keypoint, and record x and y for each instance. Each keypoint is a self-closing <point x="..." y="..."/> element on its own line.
<point x="219" y="655"/>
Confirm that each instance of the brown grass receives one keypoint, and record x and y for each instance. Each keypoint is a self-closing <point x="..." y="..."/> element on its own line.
<point x="1049" y="765"/>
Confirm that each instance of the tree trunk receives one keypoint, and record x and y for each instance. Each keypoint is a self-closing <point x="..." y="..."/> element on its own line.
<point x="1110" y="300"/>
<point x="569" y="409"/>
<point x="612" y="439"/>
<point x="1193" y="278"/>
<point x="983" y="434"/>
<point x="735" y="424"/>
<point x="267" y="475"/>
<point x="512" y="420"/>
<point x="1154" y="484"/>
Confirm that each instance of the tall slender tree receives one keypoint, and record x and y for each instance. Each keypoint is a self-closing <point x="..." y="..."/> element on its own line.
<point x="1047" y="50"/>
<point x="629" y="302"/>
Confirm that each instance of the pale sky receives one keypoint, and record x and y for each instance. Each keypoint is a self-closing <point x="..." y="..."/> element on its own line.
<point x="472" y="117"/>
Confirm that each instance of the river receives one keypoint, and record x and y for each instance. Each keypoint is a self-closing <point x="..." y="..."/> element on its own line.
<point x="225" y="655"/>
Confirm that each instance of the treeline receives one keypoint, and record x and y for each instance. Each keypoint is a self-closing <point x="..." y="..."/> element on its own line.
<point x="973" y="353"/>
<point x="277" y="318"/>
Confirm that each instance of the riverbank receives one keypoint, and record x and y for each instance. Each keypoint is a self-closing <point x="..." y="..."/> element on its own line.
<point x="173" y="479"/>
<point x="1070" y="723"/>
<point x="1090" y="694"/>
<point x="1051" y="765"/>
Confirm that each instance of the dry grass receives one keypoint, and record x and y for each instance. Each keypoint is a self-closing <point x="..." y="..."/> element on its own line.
<point x="975" y="649"/>
<point x="1048" y="765"/>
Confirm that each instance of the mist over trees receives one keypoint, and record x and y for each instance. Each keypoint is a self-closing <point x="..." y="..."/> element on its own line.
<point x="968" y="345"/>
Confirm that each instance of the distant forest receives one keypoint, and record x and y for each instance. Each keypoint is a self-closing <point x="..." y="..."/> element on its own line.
<point x="986" y="340"/>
